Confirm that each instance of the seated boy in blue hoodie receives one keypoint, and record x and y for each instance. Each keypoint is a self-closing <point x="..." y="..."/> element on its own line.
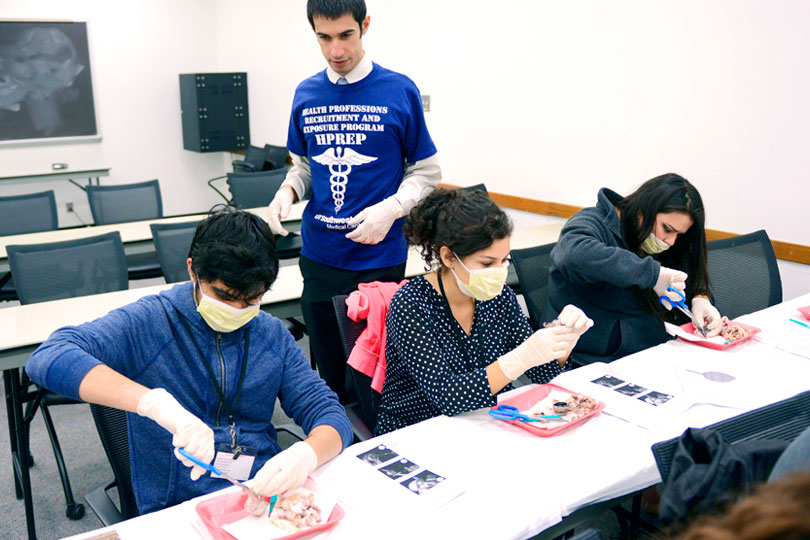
<point x="199" y="366"/>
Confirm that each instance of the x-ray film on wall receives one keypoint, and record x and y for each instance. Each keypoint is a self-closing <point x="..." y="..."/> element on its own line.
<point x="46" y="91"/>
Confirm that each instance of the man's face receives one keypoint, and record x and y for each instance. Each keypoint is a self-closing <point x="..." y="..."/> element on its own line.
<point x="340" y="41"/>
<point x="218" y="290"/>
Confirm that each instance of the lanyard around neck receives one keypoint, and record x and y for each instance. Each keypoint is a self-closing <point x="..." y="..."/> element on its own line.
<point x="243" y="369"/>
<point x="458" y="332"/>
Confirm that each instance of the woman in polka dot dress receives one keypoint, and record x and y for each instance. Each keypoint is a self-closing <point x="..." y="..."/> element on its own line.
<point x="456" y="336"/>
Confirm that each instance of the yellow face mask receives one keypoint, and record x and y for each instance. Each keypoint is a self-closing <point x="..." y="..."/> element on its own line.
<point x="485" y="283"/>
<point x="222" y="317"/>
<point x="653" y="245"/>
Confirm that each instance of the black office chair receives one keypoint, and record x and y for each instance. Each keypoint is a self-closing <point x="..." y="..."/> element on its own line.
<point x="61" y="270"/>
<point x="275" y="157"/>
<point x="531" y="265"/>
<point x="129" y="202"/>
<point x="256" y="189"/>
<point x="743" y="273"/>
<point x="21" y="214"/>
<point x="112" y="430"/>
<point x="254" y="160"/>
<point x="368" y="399"/>
<point x="172" y="243"/>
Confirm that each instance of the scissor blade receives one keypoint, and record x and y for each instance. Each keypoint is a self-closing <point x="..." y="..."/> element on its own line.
<point x="699" y="328"/>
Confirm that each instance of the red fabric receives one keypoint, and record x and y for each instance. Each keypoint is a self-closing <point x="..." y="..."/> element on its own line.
<point x="370" y="302"/>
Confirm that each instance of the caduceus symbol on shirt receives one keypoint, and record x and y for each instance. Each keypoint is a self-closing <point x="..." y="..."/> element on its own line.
<point x="340" y="162"/>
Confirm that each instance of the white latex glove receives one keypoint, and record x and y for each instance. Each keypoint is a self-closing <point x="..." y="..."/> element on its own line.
<point x="286" y="470"/>
<point x="279" y="209"/>
<point x="706" y="313"/>
<point x="576" y="321"/>
<point x="189" y="431"/>
<point x="543" y="346"/>
<point x="668" y="277"/>
<point x="376" y="220"/>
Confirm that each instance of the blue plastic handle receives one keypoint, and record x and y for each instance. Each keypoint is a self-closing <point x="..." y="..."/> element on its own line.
<point x="673" y="303"/>
<point x="201" y="463"/>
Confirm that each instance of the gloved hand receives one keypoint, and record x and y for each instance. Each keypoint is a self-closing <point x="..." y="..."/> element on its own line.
<point x="668" y="277"/>
<point x="189" y="431"/>
<point x="706" y="313"/>
<point x="543" y="346"/>
<point x="279" y="209"/>
<point x="376" y="220"/>
<point x="576" y="321"/>
<point x="286" y="470"/>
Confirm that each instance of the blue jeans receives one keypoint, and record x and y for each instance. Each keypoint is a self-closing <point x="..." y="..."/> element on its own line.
<point x="795" y="458"/>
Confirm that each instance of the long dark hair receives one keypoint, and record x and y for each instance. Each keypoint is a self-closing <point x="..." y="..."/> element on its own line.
<point x="464" y="221"/>
<point x="663" y="194"/>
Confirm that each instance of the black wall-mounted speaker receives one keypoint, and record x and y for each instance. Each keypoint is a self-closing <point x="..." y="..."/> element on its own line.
<point x="214" y="108"/>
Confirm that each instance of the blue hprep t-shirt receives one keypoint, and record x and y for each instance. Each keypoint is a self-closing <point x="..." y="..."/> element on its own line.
<point x="357" y="138"/>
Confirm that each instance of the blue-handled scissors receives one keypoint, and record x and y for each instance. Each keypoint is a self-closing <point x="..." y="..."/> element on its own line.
<point x="209" y="467"/>
<point x="508" y="413"/>
<point x="681" y="305"/>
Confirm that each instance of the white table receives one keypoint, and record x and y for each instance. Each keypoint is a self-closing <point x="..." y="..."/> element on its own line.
<point x="516" y="484"/>
<point x="60" y="174"/>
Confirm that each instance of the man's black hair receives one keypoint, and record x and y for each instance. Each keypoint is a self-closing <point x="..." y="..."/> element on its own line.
<point x="335" y="9"/>
<point x="236" y="247"/>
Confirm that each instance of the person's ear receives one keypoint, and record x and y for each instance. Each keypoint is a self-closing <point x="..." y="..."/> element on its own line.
<point x="446" y="256"/>
<point x="364" y="25"/>
<point x="190" y="271"/>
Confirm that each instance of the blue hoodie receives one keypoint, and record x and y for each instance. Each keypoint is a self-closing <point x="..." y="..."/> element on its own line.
<point x="148" y="343"/>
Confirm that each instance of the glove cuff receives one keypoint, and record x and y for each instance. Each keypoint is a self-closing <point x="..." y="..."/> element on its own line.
<point x="304" y="452"/>
<point x="150" y="402"/>
<point x="511" y="364"/>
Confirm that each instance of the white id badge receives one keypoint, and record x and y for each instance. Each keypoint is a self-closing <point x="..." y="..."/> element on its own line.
<point x="239" y="468"/>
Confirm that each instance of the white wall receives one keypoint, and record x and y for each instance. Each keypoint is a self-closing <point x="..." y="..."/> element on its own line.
<point x="137" y="51"/>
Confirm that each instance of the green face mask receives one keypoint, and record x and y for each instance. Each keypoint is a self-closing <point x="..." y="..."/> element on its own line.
<point x="222" y="317"/>
<point x="653" y="245"/>
<point x="485" y="283"/>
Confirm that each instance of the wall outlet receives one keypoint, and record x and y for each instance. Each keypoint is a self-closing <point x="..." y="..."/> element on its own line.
<point x="426" y="102"/>
<point x="69" y="206"/>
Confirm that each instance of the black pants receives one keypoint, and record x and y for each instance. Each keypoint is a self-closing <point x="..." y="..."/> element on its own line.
<point x="321" y="283"/>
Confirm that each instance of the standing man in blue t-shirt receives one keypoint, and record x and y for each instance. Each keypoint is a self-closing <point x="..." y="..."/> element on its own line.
<point x="362" y="154"/>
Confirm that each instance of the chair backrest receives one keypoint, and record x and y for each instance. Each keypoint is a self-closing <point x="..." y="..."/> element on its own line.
<point x="127" y="202"/>
<point x="112" y="430"/>
<point x="476" y="187"/>
<point x="275" y="156"/>
<point x="253" y="161"/>
<point x="172" y="242"/>
<point x="782" y="421"/>
<point x="531" y="266"/>
<point x="65" y="269"/>
<point x="349" y="332"/>
<point x="252" y="190"/>
<point x="29" y="213"/>
<point x="743" y="274"/>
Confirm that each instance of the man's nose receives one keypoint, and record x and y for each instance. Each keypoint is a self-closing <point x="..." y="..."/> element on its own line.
<point x="337" y="49"/>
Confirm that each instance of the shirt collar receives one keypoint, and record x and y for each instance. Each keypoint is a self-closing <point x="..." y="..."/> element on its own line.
<point x="359" y="72"/>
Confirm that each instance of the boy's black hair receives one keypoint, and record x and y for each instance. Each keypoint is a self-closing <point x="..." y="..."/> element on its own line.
<point x="335" y="9"/>
<point x="236" y="247"/>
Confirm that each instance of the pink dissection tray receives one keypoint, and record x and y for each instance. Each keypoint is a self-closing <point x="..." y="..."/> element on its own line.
<point x="805" y="311"/>
<point x="528" y="399"/>
<point x="688" y="327"/>
<point x="218" y="511"/>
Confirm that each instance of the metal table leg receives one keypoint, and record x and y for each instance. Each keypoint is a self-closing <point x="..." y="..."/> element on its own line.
<point x="20" y="447"/>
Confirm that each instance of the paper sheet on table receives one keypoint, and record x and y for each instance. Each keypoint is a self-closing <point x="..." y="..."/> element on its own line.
<point x="262" y="527"/>
<point x="787" y="336"/>
<point x="629" y="398"/>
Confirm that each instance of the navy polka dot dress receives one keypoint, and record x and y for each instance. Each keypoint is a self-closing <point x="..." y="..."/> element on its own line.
<point x="433" y="367"/>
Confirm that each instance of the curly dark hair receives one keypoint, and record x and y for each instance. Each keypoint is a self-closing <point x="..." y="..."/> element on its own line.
<point x="464" y="221"/>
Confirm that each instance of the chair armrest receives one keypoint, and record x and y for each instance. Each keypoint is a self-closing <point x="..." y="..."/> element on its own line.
<point x="242" y="166"/>
<point x="102" y="506"/>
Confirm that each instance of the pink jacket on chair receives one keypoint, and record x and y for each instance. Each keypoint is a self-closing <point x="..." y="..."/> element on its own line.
<point x="370" y="302"/>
